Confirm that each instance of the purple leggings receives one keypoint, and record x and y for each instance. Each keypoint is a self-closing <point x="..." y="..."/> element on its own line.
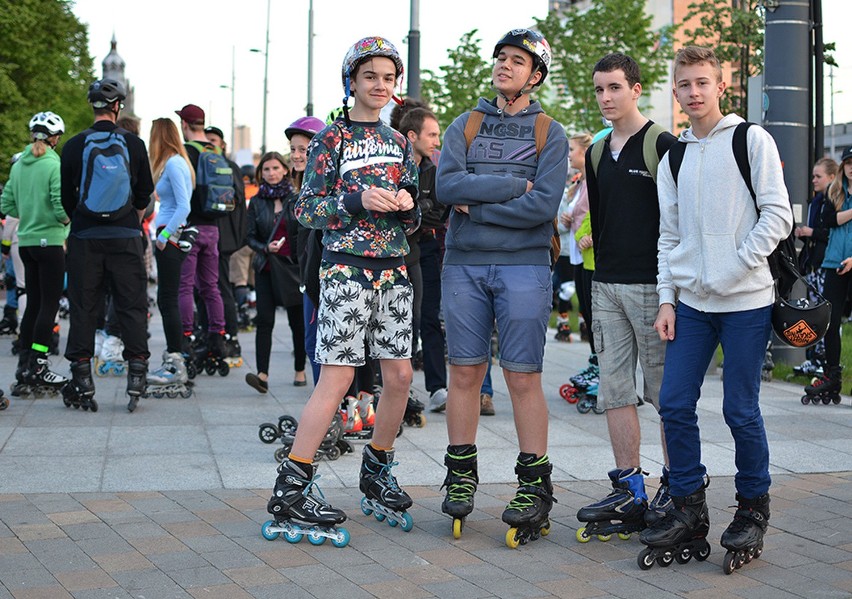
<point x="201" y="271"/>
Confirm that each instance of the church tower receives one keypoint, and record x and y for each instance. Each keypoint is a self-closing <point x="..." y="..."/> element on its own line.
<point x="113" y="68"/>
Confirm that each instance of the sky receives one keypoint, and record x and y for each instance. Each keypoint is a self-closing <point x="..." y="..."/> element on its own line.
<point x="179" y="52"/>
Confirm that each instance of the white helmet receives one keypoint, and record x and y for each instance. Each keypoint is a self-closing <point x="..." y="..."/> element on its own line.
<point x="46" y="124"/>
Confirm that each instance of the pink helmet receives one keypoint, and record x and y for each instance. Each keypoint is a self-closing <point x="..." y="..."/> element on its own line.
<point x="306" y="125"/>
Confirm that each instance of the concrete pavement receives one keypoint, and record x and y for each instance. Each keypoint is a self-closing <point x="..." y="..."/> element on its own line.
<point x="168" y="501"/>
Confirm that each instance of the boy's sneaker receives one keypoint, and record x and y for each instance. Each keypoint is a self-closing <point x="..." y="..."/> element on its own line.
<point x="486" y="405"/>
<point x="438" y="400"/>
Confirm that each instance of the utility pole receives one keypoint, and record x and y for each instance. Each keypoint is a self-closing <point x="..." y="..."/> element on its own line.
<point x="414" y="52"/>
<point x="309" y="108"/>
<point x="818" y="62"/>
<point x="233" y="141"/>
<point x="265" y="79"/>
<point x="788" y="114"/>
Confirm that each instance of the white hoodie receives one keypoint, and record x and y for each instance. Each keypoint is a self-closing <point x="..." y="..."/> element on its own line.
<point x="713" y="248"/>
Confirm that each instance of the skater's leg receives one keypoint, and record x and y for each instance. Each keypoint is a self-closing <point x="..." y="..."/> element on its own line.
<point x="169" y="262"/>
<point x="744" y="335"/>
<point x="687" y="358"/>
<point x="530" y="410"/>
<point x="126" y="264"/>
<point x="295" y="319"/>
<point x="320" y="409"/>
<point x="264" y="322"/>
<point x="86" y="276"/>
<point x="396" y="381"/>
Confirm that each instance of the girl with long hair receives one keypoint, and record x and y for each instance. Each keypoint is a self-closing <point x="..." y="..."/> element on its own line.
<point x="32" y="195"/>
<point x="174" y="178"/>
<point x="272" y="233"/>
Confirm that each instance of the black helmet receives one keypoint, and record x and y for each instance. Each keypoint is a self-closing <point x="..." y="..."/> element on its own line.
<point x="531" y="41"/>
<point x="801" y="322"/>
<point x="106" y="91"/>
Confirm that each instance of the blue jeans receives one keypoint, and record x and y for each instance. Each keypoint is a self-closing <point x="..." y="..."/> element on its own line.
<point x="743" y="336"/>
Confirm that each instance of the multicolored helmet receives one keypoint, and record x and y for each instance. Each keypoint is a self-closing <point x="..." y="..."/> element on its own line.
<point x="46" y="124"/>
<point x="306" y="125"/>
<point x="367" y="48"/>
<point x="531" y="41"/>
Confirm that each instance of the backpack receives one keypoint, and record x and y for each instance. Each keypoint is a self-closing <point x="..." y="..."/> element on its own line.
<point x="105" y="192"/>
<point x="782" y="261"/>
<point x="214" y="179"/>
<point x="649" y="150"/>
<point x="542" y="126"/>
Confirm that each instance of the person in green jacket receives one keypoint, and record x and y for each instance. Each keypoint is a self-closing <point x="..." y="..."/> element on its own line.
<point x="33" y="196"/>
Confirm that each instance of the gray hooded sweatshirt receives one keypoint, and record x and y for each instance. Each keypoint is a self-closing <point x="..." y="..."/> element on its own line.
<point x="713" y="247"/>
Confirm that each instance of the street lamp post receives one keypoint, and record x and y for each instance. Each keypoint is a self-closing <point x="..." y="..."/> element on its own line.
<point x="265" y="53"/>
<point x="233" y="88"/>
<point x="309" y="108"/>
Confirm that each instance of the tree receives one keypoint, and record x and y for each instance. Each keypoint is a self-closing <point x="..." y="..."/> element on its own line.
<point x="735" y="31"/>
<point x="461" y="83"/>
<point x="579" y="38"/>
<point x="44" y="65"/>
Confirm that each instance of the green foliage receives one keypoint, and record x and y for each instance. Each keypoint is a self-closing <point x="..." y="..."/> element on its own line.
<point x="579" y="38"/>
<point x="828" y="54"/>
<point x="44" y="65"/>
<point x="461" y="83"/>
<point x="735" y="31"/>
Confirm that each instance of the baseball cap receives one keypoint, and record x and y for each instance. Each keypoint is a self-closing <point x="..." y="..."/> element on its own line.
<point x="847" y="153"/>
<point x="215" y="131"/>
<point x="191" y="114"/>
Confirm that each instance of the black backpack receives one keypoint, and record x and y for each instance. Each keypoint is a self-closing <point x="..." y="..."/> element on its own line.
<point x="782" y="261"/>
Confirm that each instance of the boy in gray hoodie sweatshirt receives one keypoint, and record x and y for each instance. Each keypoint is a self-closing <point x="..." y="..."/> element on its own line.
<point x="715" y="286"/>
<point x="505" y="194"/>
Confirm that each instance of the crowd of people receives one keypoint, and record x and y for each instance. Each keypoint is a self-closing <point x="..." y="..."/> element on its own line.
<point x="376" y="254"/>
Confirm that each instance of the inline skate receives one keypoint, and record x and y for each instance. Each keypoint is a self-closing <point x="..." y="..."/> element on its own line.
<point x="587" y="400"/>
<point x="21" y="373"/>
<point x="808" y="369"/>
<point x="461" y="482"/>
<point x="37" y="380"/>
<point x="622" y="511"/>
<point x="332" y="446"/>
<point x="233" y="351"/>
<point x="414" y="411"/>
<point x="528" y="512"/>
<point x="744" y="536"/>
<point x="137" y="374"/>
<point x="768" y="364"/>
<point x="79" y="392"/>
<point x="659" y="506"/>
<point x="383" y="496"/>
<point x="580" y="382"/>
<point x="563" y="329"/>
<point x="300" y="509"/>
<point x="679" y="535"/>
<point x="170" y="379"/>
<point x="9" y="323"/>
<point x="825" y="389"/>
<point x="4" y="401"/>
<point x="213" y="359"/>
<point x="110" y="360"/>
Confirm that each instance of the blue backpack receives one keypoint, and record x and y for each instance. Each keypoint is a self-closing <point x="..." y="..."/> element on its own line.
<point x="215" y="181"/>
<point x="105" y="192"/>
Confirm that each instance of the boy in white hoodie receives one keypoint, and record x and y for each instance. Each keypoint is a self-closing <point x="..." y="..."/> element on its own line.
<point x="715" y="286"/>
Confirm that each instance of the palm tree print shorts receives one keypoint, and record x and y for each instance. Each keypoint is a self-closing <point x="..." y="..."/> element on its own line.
<point x="350" y="314"/>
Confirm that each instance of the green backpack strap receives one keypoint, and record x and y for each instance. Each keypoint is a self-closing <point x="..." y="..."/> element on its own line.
<point x="649" y="149"/>
<point x="597" y="153"/>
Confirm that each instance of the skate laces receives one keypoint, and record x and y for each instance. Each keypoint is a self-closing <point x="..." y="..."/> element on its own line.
<point x="312" y="485"/>
<point x="461" y="490"/>
<point x="386" y="477"/>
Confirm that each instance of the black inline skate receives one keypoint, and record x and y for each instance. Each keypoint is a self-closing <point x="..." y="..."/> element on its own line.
<point x="825" y="389"/>
<point x="300" y="509"/>
<point x="215" y="360"/>
<point x="4" y="401"/>
<point x="383" y="496"/>
<point x="332" y="446"/>
<point x="79" y="392"/>
<point x="662" y="501"/>
<point x="810" y="368"/>
<point x="528" y="512"/>
<point x="461" y="482"/>
<point x="414" y="411"/>
<point x="679" y="535"/>
<point x="233" y="351"/>
<point x="9" y="322"/>
<point x="22" y="372"/>
<point x="744" y="536"/>
<point x="37" y="380"/>
<point x="622" y="511"/>
<point x="137" y="373"/>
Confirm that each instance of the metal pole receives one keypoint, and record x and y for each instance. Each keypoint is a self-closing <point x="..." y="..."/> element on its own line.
<point x="788" y="90"/>
<point x="233" y="139"/>
<point x="309" y="108"/>
<point x="818" y="81"/>
<point x="265" y="79"/>
<point x="831" y="91"/>
<point x="414" y="52"/>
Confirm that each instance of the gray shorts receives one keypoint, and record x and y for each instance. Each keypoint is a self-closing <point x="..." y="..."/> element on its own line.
<point x="349" y="315"/>
<point x="623" y="325"/>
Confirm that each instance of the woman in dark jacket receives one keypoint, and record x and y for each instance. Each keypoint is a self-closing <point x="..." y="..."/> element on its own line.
<point x="272" y="231"/>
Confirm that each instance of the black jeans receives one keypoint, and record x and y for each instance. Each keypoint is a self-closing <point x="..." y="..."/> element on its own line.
<point x="265" y="322"/>
<point x="169" y="262"/>
<point x="431" y="334"/>
<point x="229" y="303"/>
<point x="837" y="288"/>
<point x="583" y="280"/>
<point x="45" y="277"/>
<point x="90" y="262"/>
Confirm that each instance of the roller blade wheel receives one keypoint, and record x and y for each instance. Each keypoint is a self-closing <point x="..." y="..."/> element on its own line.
<point x="268" y="433"/>
<point x="4" y="403"/>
